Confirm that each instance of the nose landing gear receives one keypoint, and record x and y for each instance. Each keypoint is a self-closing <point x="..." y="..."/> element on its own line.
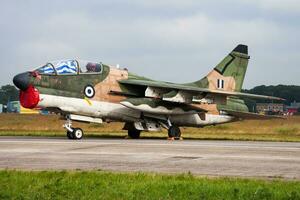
<point x="73" y="133"/>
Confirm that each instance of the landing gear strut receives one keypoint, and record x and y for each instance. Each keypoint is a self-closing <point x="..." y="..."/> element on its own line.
<point x="73" y="133"/>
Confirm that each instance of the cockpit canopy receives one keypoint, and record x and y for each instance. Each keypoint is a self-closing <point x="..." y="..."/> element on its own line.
<point x="69" y="67"/>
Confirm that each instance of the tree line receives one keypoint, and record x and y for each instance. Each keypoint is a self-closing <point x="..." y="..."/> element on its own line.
<point x="8" y="93"/>
<point x="290" y="93"/>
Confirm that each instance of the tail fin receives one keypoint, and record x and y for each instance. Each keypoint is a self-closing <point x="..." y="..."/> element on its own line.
<point x="229" y="74"/>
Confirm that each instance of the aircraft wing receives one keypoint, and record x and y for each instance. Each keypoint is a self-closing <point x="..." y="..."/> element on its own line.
<point x="185" y="91"/>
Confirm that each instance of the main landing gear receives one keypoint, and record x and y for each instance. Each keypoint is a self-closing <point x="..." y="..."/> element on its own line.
<point x="174" y="132"/>
<point x="73" y="133"/>
<point x="132" y="131"/>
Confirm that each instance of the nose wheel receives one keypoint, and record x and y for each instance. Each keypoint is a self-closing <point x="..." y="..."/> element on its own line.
<point x="76" y="134"/>
<point x="70" y="135"/>
<point x="73" y="133"/>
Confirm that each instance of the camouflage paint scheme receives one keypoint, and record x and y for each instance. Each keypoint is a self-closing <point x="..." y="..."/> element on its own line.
<point x="123" y="96"/>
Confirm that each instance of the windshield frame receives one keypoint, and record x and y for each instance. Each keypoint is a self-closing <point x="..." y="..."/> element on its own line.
<point x="43" y="73"/>
<point x="79" y="68"/>
<point x="66" y="74"/>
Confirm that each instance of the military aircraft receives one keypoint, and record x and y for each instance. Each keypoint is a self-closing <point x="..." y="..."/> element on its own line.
<point x="96" y="92"/>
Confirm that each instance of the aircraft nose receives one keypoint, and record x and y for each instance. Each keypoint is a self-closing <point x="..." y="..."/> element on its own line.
<point x="21" y="81"/>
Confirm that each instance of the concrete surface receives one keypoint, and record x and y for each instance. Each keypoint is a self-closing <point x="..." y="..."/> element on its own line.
<point x="214" y="158"/>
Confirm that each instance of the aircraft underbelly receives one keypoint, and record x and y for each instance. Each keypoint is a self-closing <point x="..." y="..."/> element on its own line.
<point x="196" y="121"/>
<point x="87" y="107"/>
<point x="118" y="112"/>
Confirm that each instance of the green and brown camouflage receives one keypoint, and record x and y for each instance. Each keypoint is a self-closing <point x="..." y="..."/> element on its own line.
<point x="113" y="85"/>
<point x="228" y="75"/>
<point x="71" y="85"/>
<point x="156" y="103"/>
<point x="230" y="71"/>
<point x="99" y="90"/>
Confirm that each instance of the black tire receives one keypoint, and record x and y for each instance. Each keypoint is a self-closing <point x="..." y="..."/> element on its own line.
<point x="70" y="135"/>
<point x="134" y="133"/>
<point x="174" y="132"/>
<point x="77" y="133"/>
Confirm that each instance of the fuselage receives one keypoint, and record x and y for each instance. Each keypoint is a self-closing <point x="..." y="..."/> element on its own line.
<point x="93" y="89"/>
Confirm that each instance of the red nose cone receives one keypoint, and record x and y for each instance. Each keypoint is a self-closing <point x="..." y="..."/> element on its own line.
<point x="30" y="97"/>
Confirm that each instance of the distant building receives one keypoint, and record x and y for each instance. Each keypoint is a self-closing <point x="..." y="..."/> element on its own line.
<point x="295" y="104"/>
<point x="13" y="107"/>
<point x="270" y="107"/>
<point x="293" y="108"/>
<point x="290" y="110"/>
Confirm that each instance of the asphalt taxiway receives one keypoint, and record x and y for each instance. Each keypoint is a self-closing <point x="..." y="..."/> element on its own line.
<point x="213" y="158"/>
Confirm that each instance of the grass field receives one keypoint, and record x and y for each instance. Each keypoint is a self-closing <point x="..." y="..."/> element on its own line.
<point x="265" y="130"/>
<point x="106" y="185"/>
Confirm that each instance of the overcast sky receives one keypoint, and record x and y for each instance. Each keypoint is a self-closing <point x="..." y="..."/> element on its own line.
<point x="171" y="40"/>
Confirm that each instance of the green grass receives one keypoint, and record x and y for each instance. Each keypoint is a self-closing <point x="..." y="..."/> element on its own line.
<point x="287" y="130"/>
<point x="106" y="185"/>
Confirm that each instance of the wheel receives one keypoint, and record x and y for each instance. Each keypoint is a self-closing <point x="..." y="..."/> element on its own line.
<point x="134" y="133"/>
<point x="174" y="132"/>
<point x="70" y="135"/>
<point x="77" y="133"/>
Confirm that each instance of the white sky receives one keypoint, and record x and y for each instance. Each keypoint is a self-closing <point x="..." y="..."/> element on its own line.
<point x="171" y="40"/>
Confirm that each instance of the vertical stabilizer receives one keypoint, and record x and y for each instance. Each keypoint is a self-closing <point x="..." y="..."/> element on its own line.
<point x="229" y="74"/>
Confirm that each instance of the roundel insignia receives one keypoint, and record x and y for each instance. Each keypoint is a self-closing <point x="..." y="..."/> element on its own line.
<point x="89" y="91"/>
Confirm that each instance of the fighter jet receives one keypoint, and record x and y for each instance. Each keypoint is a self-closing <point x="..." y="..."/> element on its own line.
<point x="96" y="92"/>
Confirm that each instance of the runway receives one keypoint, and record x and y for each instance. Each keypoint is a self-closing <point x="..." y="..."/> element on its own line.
<point x="212" y="158"/>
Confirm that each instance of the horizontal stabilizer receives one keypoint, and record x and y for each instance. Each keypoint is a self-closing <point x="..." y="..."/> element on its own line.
<point x="249" y="115"/>
<point x="194" y="90"/>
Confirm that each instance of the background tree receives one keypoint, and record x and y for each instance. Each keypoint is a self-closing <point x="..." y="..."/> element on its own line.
<point x="289" y="92"/>
<point x="8" y="93"/>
